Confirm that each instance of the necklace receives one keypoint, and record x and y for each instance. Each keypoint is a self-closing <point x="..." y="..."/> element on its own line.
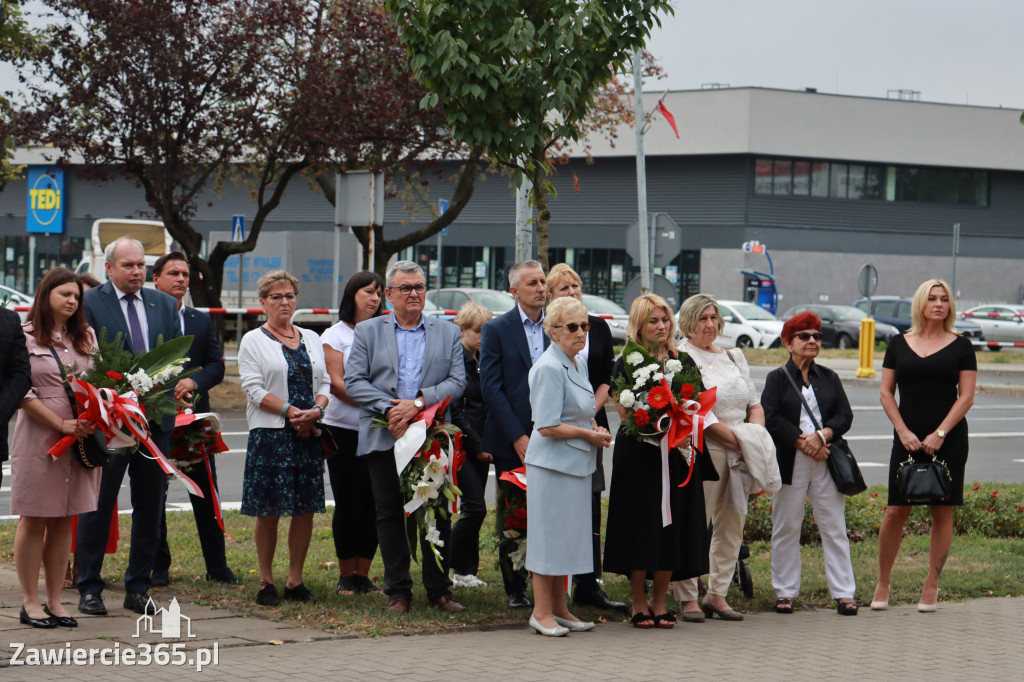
<point x="282" y="334"/>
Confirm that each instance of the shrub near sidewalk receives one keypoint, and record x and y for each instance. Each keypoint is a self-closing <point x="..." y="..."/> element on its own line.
<point x="989" y="509"/>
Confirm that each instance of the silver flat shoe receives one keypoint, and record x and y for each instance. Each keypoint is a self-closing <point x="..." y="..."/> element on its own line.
<point x="574" y="625"/>
<point x="557" y="631"/>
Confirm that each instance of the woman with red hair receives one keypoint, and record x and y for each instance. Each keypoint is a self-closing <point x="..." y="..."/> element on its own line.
<point x="802" y="451"/>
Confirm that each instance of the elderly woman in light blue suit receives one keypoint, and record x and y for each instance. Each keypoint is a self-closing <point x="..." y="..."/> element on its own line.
<point x="560" y="459"/>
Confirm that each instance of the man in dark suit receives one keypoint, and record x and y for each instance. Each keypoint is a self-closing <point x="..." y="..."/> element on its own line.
<point x="510" y="345"/>
<point x="398" y="365"/>
<point x="15" y="373"/>
<point x="116" y="307"/>
<point x="171" y="276"/>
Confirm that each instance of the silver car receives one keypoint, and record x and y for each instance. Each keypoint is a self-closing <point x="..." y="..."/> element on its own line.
<point x="1000" y="322"/>
<point x="454" y="298"/>
<point x="599" y="305"/>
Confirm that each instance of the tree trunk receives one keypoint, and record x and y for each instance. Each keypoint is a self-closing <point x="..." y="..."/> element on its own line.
<point x="540" y="197"/>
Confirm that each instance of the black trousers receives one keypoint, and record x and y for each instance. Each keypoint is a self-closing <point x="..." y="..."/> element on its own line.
<point x="354" y="524"/>
<point x="473" y="508"/>
<point x="391" y="533"/>
<point x="211" y="537"/>
<point x="148" y="484"/>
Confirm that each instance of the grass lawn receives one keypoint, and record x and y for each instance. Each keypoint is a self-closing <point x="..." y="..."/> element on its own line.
<point x="978" y="567"/>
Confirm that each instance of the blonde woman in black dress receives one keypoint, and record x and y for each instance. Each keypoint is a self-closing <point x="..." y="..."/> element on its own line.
<point x="935" y="371"/>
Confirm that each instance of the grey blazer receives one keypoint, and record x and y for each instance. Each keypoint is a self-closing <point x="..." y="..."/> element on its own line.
<point x="371" y="374"/>
<point x="561" y="394"/>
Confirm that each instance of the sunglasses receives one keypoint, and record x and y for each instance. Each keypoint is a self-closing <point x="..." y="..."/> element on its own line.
<point x="807" y="336"/>
<point x="573" y="327"/>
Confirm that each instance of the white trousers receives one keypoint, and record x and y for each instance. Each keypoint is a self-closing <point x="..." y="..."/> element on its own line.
<point x="812" y="481"/>
<point x="726" y="537"/>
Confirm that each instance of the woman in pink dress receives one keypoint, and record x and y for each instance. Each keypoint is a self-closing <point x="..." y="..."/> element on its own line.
<point x="49" y="491"/>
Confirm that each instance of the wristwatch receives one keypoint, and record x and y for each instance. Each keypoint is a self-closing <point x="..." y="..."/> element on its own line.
<point x="940" y="433"/>
<point x="418" y="403"/>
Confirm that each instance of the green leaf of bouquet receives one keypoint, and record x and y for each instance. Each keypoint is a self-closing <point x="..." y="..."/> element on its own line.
<point x="164" y="354"/>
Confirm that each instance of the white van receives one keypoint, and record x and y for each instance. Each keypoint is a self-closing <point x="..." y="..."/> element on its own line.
<point x="154" y="237"/>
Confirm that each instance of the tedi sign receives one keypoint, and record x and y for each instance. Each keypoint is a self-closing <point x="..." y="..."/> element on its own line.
<point x="45" y="200"/>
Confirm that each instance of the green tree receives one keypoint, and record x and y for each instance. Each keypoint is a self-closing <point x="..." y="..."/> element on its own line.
<point x="519" y="77"/>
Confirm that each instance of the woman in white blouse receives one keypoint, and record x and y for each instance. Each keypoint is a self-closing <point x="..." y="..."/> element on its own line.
<point x="700" y="322"/>
<point x="287" y="386"/>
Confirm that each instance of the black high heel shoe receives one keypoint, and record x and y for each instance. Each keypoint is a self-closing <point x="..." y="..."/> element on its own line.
<point x="63" y="621"/>
<point x="44" y="623"/>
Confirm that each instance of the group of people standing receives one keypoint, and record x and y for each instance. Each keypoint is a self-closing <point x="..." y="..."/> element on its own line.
<point x="67" y="317"/>
<point x="528" y="389"/>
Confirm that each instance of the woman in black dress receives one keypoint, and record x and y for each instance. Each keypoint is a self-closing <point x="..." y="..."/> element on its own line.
<point x="935" y="371"/>
<point x="636" y="543"/>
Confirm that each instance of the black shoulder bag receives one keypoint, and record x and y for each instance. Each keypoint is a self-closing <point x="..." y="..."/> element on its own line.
<point x="92" y="451"/>
<point x="842" y="465"/>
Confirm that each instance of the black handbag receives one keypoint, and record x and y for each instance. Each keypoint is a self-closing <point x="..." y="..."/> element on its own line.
<point x="924" y="482"/>
<point x="328" y="444"/>
<point x="92" y="451"/>
<point x="841" y="463"/>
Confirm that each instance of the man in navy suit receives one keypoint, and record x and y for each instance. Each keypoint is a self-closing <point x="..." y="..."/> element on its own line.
<point x="141" y="316"/>
<point x="15" y="373"/>
<point x="510" y="345"/>
<point x="171" y="276"/>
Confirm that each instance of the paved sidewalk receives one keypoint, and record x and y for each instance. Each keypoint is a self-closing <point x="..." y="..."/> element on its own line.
<point x="979" y="639"/>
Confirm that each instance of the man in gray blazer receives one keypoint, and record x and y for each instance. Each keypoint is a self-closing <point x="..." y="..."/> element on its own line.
<point x="398" y="365"/>
<point x="141" y="316"/>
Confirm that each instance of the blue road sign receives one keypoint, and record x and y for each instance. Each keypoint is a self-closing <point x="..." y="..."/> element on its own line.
<point x="442" y="208"/>
<point x="238" y="228"/>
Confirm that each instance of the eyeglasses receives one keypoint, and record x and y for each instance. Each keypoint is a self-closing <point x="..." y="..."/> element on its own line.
<point x="573" y="327"/>
<point x="277" y="298"/>
<point x="807" y="336"/>
<point x="407" y="289"/>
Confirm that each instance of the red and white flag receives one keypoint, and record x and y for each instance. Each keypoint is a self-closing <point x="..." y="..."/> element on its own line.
<point x="668" y="117"/>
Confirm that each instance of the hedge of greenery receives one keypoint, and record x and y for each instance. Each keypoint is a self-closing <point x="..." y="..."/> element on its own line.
<point x="989" y="509"/>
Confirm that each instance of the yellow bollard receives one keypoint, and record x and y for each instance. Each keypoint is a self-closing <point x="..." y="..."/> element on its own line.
<point x="867" y="348"/>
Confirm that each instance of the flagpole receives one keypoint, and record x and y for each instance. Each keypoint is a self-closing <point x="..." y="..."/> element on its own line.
<point x="641" y="175"/>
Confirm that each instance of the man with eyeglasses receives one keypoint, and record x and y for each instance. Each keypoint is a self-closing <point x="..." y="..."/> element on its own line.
<point x="398" y="365"/>
<point x="510" y="345"/>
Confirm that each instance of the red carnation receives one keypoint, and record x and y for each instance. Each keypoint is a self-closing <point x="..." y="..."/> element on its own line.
<point x="686" y="390"/>
<point x="116" y="376"/>
<point x="642" y="417"/>
<point x="517" y="520"/>
<point x="658" y="397"/>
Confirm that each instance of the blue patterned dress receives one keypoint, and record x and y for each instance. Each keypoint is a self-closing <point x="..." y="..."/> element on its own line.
<point x="284" y="474"/>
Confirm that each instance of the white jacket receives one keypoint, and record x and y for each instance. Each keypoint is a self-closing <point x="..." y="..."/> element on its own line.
<point x="753" y="470"/>
<point x="264" y="369"/>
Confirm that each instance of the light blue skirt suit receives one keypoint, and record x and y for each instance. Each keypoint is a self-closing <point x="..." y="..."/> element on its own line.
<point x="558" y="470"/>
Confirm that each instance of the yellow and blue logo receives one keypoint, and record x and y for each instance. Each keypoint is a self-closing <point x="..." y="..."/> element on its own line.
<point x="45" y="200"/>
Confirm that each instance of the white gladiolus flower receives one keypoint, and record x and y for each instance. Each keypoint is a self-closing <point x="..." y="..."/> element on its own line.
<point x="634" y="358"/>
<point x="626" y="399"/>
<point x="141" y="382"/>
<point x="433" y="535"/>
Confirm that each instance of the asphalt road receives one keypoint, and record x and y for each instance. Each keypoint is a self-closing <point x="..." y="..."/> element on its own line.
<point x="996" y="427"/>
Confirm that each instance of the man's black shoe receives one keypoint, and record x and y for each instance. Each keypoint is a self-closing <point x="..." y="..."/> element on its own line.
<point x="224" y="575"/>
<point x="139" y="602"/>
<point x="597" y="597"/>
<point x="92" y="605"/>
<point x="159" y="578"/>
<point x="519" y="600"/>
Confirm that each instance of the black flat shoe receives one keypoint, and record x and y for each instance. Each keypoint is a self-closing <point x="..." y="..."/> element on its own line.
<point x="140" y="602"/>
<point x="519" y="600"/>
<point x="42" y="623"/>
<point x="365" y="585"/>
<point x="63" y="621"/>
<point x="225" y="575"/>
<point x="846" y="607"/>
<point x="597" y="597"/>
<point x="783" y="605"/>
<point x="267" y="596"/>
<point x="299" y="593"/>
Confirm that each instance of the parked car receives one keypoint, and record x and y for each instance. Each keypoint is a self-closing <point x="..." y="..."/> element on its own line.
<point x="748" y="326"/>
<point x="840" y="324"/>
<point x="599" y="305"/>
<point x="1000" y="322"/>
<point x="14" y="298"/>
<point x="454" y="298"/>
<point x="895" y="310"/>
